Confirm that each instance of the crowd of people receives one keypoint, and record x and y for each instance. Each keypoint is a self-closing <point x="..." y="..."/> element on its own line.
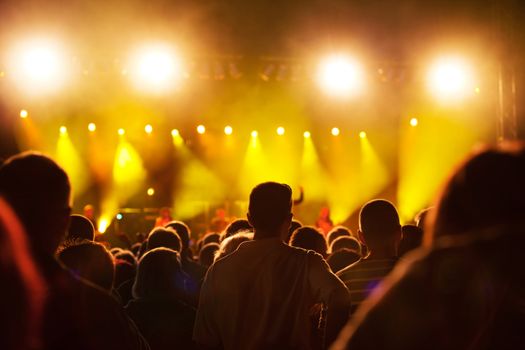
<point x="453" y="280"/>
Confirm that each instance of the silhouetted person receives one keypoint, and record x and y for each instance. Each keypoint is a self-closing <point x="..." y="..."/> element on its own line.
<point x="466" y="290"/>
<point x="207" y="254"/>
<point x="211" y="238"/>
<point x="259" y="297"/>
<point x="309" y="238"/>
<point x="337" y="232"/>
<point x="161" y="237"/>
<point x="80" y="228"/>
<point x="158" y="308"/>
<point x="342" y="258"/>
<point x="380" y="229"/>
<point x="412" y="239"/>
<point x="347" y="242"/>
<point x="90" y="261"/>
<point x="124" y="278"/>
<point x="230" y="244"/>
<point x="324" y="222"/>
<point x="294" y="225"/>
<point x="76" y="316"/>
<point x="236" y="226"/>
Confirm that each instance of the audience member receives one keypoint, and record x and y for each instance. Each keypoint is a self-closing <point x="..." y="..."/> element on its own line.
<point x="342" y="258"/>
<point x="161" y="237"/>
<point x="324" y="223"/>
<point x="294" y="225"/>
<point x="411" y="239"/>
<point x="309" y="238"/>
<point x="337" y="232"/>
<point x="80" y="228"/>
<point x="347" y="242"/>
<point x="260" y="296"/>
<point x="230" y="244"/>
<point x="211" y="237"/>
<point x="421" y="218"/>
<point x="124" y="278"/>
<point x="207" y="254"/>
<point x="164" y="217"/>
<point x="235" y="226"/>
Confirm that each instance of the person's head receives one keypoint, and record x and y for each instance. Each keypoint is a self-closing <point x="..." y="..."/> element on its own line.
<point x="39" y="192"/>
<point x="207" y="254"/>
<point x="336" y="232"/>
<point x="346" y="242"/>
<point x="236" y="226"/>
<point x="308" y="237"/>
<point x="412" y="239"/>
<point x="124" y="271"/>
<point x="183" y="231"/>
<point x="211" y="237"/>
<point x="135" y="248"/>
<point x="270" y="209"/>
<point x="379" y="226"/>
<point x="164" y="237"/>
<point x="294" y="225"/>
<point x="342" y="258"/>
<point x="159" y="275"/>
<point x="126" y="255"/>
<point x="230" y="244"/>
<point x="421" y="217"/>
<point x="90" y="261"/>
<point x="486" y="191"/>
<point x="80" y="228"/>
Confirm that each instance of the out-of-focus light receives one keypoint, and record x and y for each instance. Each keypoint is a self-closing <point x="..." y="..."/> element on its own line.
<point x="119" y="216"/>
<point x="254" y="133"/>
<point x="280" y="130"/>
<point x="414" y="122"/>
<point x="341" y="76"/>
<point x="307" y="134"/>
<point x="92" y="127"/>
<point x="103" y="225"/>
<point x="23" y="114"/>
<point x="148" y="129"/>
<point x="38" y="66"/>
<point x="201" y="129"/>
<point x="228" y="130"/>
<point x="63" y="130"/>
<point x="175" y="133"/>
<point x="155" y="68"/>
<point x="150" y="191"/>
<point x="362" y="134"/>
<point x="121" y="131"/>
<point x="450" y="79"/>
<point x="335" y="131"/>
<point x="477" y="90"/>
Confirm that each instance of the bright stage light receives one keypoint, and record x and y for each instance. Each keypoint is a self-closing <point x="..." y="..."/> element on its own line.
<point x="201" y="129"/>
<point x="175" y="133"/>
<point x="155" y="68"/>
<point x="280" y="130"/>
<point x="362" y="134"/>
<point x="450" y="78"/>
<point x="341" y="76"/>
<point x="103" y="225"/>
<point x="335" y="131"/>
<point x="92" y="127"/>
<point x="150" y="191"/>
<point x="307" y="134"/>
<point x="23" y="114"/>
<point x="414" y="122"/>
<point x="148" y="129"/>
<point x="119" y="216"/>
<point x="228" y="130"/>
<point x="254" y="133"/>
<point x="38" y="66"/>
<point x="121" y="132"/>
<point x="63" y="130"/>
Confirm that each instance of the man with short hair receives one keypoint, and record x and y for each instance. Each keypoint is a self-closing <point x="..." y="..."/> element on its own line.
<point x="380" y="230"/>
<point x="261" y="296"/>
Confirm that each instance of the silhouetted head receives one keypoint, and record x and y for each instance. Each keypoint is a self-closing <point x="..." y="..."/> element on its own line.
<point x="486" y="191"/>
<point x="207" y="254"/>
<point x="38" y="191"/>
<point x="346" y="242"/>
<point x="310" y="238"/>
<point x="342" y="258"/>
<point x="236" y="226"/>
<point x="270" y="209"/>
<point x="124" y="271"/>
<point x="421" y="217"/>
<point x="411" y="239"/>
<point x="184" y="233"/>
<point x="159" y="275"/>
<point x="80" y="228"/>
<point x="126" y="255"/>
<point x="379" y="225"/>
<point x="294" y="225"/>
<point x="90" y="261"/>
<point x="230" y="244"/>
<point x="164" y="237"/>
<point x="336" y="232"/>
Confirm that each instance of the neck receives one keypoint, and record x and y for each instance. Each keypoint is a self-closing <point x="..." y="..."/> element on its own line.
<point x="263" y="234"/>
<point x="383" y="253"/>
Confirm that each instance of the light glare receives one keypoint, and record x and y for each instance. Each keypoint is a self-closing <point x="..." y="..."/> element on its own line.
<point x="307" y="134"/>
<point x="450" y="79"/>
<point x="280" y="130"/>
<point x="175" y="133"/>
<point x="201" y="129"/>
<point x="335" y="131"/>
<point x="148" y="129"/>
<point x="340" y="76"/>
<point x="150" y="191"/>
<point x="414" y="122"/>
<point x="121" y="132"/>
<point x="23" y="114"/>
<point x="92" y="127"/>
<point x="254" y="133"/>
<point x="228" y="130"/>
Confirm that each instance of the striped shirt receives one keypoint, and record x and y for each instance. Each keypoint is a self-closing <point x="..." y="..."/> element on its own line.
<point x="362" y="278"/>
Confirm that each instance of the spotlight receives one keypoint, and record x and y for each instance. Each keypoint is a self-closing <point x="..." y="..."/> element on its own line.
<point x="148" y="129"/>
<point x="341" y="76"/>
<point x="201" y="129"/>
<point x="23" y="114"/>
<point x="150" y="191"/>
<point x="254" y="133"/>
<point x="92" y="127"/>
<point x="450" y="78"/>
<point x="307" y="134"/>
<point x="175" y="133"/>
<point x="362" y="134"/>
<point x="63" y="130"/>
<point x="119" y="216"/>
<point x="121" y="131"/>
<point x="280" y="130"/>
<point x="414" y="122"/>
<point x="228" y="130"/>
<point x="335" y="131"/>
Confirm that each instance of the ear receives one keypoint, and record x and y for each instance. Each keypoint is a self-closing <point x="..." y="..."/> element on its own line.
<point x="249" y="219"/>
<point x="361" y="237"/>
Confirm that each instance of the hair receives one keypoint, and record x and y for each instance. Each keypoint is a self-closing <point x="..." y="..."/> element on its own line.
<point x="135" y="248"/>
<point x="211" y="237"/>
<point x="38" y="191"/>
<point x="183" y="231"/>
<point x="126" y="255"/>
<point x="90" y="261"/>
<point x="379" y="222"/>
<point x="230" y="244"/>
<point x="294" y="225"/>
<point x="159" y="275"/>
<point x="310" y="238"/>
<point x="347" y="242"/>
<point x="336" y="232"/>
<point x="411" y="239"/>
<point x="485" y="191"/>
<point x="270" y="206"/>
<point x="207" y="254"/>
<point x="237" y="225"/>
<point x="80" y="228"/>
<point x="124" y="271"/>
<point x="164" y="237"/>
<point x="421" y="217"/>
<point x="342" y="258"/>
